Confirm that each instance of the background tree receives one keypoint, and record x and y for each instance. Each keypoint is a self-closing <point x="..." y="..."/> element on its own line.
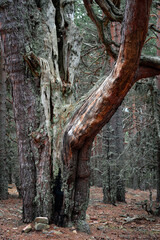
<point x="3" y="168"/>
<point x="11" y="141"/>
<point x="157" y="102"/>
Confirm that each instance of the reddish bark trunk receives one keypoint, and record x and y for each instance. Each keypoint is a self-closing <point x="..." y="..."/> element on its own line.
<point x="99" y="107"/>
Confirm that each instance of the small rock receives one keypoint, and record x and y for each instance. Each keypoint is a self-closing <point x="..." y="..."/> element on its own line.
<point x="100" y="228"/>
<point x="27" y="229"/>
<point x="41" y="220"/>
<point x="57" y="232"/>
<point x="50" y="232"/>
<point x="41" y="226"/>
<point x="55" y="227"/>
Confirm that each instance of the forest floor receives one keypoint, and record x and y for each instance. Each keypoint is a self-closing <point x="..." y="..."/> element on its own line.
<point x="124" y="221"/>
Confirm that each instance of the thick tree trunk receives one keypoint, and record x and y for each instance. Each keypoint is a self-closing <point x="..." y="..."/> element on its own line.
<point x="33" y="140"/>
<point x="41" y="93"/>
<point x="3" y="165"/>
<point x="23" y="102"/>
<point x="158" y="120"/>
<point x="101" y="104"/>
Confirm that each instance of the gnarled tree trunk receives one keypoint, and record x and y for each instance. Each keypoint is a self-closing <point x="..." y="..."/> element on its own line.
<point x="42" y="50"/>
<point x="98" y="108"/>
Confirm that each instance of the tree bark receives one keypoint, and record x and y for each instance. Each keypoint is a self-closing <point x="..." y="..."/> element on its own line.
<point x="42" y="90"/>
<point x="3" y="165"/>
<point x="101" y="104"/>
<point x="157" y="114"/>
<point x="33" y="139"/>
<point x="119" y="144"/>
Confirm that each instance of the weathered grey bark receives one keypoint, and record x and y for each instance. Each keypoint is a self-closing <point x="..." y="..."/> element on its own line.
<point x="3" y="165"/>
<point x="118" y="126"/>
<point x="41" y="92"/>
<point x="109" y="164"/>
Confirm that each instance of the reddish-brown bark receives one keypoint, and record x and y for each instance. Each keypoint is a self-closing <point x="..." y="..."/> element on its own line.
<point x="101" y="105"/>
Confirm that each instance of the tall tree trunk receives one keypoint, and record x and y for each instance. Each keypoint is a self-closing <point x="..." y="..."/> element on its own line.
<point x="109" y="163"/>
<point x="158" y="113"/>
<point x="158" y="173"/>
<point x="119" y="143"/>
<point x="99" y="107"/>
<point x="42" y="50"/>
<point x="33" y="140"/>
<point x="3" y="165"/>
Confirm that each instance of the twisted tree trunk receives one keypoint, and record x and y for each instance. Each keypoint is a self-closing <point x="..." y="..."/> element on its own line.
<point x="98" y="108"/>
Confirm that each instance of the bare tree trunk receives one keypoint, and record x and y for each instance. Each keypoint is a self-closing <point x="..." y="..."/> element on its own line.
<point x="3" y="165"/>
<point x="109" y="164"/>
<point x="120" y="193"/>
<point x="158" y="120"/>
<point x="101" y="104"/>
<point x="42" y="51"/>
<point x="33" y="140"/>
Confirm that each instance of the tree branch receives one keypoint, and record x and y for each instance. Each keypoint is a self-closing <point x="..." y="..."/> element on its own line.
<point x="99" y="24"/>
<point x="148" y="67"/>
<point x="110" y="10"/>
<point x="103" y="102"/>
<point x="154" y="28"/>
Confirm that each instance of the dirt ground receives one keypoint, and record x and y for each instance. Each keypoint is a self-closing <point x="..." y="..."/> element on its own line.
<point x="124" y="221"/>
